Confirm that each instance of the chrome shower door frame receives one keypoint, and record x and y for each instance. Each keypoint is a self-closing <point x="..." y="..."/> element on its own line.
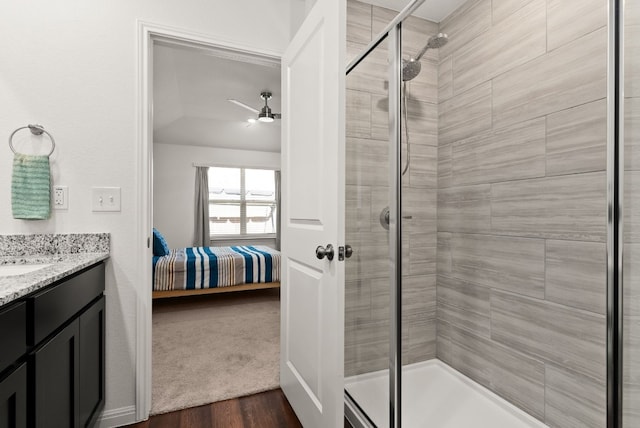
<point x="615" y="216"/>
<point x="395" y="226"/>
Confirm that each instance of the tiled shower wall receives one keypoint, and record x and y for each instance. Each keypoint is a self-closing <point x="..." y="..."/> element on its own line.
<point x="631" y="322"/>
<point x="516" y="126"/>
<point x="367" y="285"/>
<point x="522" y="203"/>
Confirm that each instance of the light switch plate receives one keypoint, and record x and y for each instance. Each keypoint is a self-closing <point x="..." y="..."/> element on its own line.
<point x="105" y="199"/>
<point x="60" y="198"/>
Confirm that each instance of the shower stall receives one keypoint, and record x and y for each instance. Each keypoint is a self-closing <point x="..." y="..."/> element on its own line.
<point x="491" y="170"/>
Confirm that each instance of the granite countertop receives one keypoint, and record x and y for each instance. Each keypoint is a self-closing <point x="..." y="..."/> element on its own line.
<point x="67" y="254"/>
<point x="16" y="286"/>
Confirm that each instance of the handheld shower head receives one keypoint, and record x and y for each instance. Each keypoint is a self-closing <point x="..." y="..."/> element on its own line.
<point x="411" y="68"/>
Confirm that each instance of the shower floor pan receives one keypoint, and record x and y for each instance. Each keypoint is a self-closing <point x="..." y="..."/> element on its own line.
<point x="436" y="396"/>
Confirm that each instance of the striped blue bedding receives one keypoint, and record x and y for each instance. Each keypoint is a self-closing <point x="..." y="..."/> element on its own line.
<point x="209" y="267"/>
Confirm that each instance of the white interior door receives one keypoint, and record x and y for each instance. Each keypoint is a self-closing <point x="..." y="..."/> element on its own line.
<point x="312" y="320"/>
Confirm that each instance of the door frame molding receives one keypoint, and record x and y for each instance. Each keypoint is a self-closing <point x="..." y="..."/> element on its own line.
<point x="149" y="33"/>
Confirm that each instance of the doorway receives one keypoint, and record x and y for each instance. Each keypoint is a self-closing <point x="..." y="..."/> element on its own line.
<point x="153" y="37"/>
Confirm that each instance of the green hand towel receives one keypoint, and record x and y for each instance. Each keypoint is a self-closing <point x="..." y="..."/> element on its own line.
<point x="31" y="187"/>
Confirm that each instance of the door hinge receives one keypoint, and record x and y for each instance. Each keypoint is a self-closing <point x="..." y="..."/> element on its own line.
<point x="148" y="242"/>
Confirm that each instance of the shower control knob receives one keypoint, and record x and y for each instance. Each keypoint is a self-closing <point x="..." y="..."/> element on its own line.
<point x="384" y="218"/>
<point x="322" y="252"/>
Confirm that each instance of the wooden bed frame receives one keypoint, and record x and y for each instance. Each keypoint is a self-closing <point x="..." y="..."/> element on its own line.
<point x="199" y="291"/>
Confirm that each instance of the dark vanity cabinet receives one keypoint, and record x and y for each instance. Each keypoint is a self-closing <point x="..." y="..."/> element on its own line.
<point x="63" y="369"/>
<point x="13" y="369"/>
<point x="91" y="370"/>
<point x="13" y="398"/>
<point x="54" y="368"/>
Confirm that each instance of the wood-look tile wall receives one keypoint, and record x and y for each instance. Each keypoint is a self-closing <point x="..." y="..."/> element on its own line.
<point x="522" y="203"/>
<point x="367" y="271"/>
<point x="506" y="192"/>
<point x="631" y="310"/>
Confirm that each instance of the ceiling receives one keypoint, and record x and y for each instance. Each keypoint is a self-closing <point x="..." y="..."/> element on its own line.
<point x="433" y="10"/>
<point x="191" y="87"/>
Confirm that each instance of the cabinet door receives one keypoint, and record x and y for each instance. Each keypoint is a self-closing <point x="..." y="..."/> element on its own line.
<point x="55" y="374"/>
<point x="91" y="363"/>
<point x="13" y="399"/>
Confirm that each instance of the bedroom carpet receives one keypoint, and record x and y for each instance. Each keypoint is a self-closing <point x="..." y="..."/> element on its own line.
<point x="212" y="348"/>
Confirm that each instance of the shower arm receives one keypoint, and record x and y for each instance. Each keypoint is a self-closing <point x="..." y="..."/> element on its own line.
<point x="421" y="53"/>
<point x="435" y="42"/>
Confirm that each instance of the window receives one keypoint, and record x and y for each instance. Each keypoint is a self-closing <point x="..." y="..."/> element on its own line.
<point x="242" y="201"/>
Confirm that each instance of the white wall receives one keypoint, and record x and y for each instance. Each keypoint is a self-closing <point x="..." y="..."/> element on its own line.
<point x="174" y="183"/>
<point x="299" y="11"/>
<point x="70" y="65"/>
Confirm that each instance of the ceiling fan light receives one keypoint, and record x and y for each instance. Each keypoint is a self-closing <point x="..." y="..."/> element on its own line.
<point x="251" y="120"/>
<point x="265" y="114"/>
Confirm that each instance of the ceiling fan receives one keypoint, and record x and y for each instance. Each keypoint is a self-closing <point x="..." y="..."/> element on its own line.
<point x="264" y="114"/>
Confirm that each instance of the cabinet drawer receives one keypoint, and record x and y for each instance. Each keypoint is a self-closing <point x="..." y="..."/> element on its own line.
<point x="52" y="307"/>
<point x="13" y="334"/>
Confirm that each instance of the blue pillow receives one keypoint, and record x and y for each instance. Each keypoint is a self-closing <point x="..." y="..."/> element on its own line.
<point x="160" y="246"/>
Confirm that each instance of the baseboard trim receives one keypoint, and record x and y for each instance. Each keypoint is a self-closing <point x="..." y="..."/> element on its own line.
<point x="117" y="417"/>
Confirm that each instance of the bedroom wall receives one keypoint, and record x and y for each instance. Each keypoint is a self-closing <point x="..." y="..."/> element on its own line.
<point x="71" y="65"/>
<point x="174" y="186"/>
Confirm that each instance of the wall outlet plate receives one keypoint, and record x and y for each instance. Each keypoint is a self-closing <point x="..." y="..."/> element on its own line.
<point x="105" y="199"/>
<point x="60" y="198"/>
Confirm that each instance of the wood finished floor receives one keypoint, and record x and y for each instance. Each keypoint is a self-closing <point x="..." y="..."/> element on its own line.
<point x="264" y="410"/>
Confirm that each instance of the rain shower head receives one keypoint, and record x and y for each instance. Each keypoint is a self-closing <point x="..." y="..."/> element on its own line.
<point x="437" y="41"/>
<point x="412" y="67"/>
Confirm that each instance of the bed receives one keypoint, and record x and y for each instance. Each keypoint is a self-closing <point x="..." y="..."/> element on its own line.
<point x="206" y="270"/>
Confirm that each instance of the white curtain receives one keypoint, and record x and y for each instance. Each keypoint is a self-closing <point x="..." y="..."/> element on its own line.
<point x="277" y="175"/>
<point x="201" y="237"/>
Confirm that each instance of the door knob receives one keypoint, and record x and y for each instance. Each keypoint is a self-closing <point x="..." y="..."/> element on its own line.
<point x="322" y="252"/>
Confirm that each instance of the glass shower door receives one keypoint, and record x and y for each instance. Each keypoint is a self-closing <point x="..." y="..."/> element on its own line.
<point x="368" y="271"/>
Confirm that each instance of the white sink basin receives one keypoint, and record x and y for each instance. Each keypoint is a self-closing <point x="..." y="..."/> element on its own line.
<point x="14" y="270"/>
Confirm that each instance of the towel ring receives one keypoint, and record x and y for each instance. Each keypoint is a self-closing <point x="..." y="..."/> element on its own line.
<point x="35" y="130"/>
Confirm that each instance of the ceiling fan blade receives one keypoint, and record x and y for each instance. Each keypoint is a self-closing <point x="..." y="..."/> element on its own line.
<point x="277" y="115"/>
<point x="238" y="103"/>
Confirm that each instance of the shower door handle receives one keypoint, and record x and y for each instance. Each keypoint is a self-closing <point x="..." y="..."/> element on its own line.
<point x="348" y="251"/>
<point x="344" y="252"/>
<point x="322" y="252"/>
